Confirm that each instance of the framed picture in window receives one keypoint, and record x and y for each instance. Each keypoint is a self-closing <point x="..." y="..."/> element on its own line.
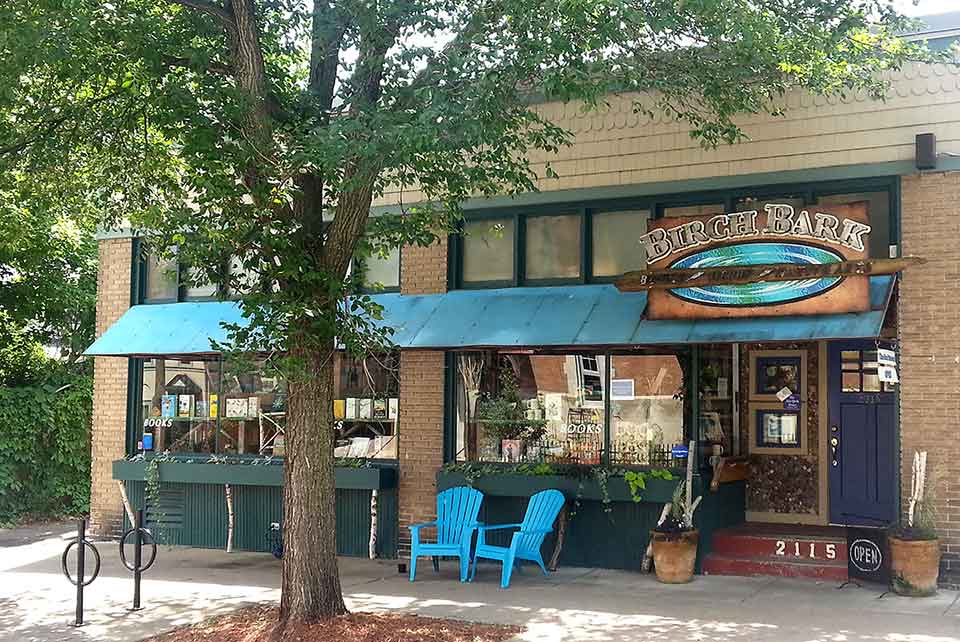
<point x="775" y="431"/>
<point x="777" y="374"/>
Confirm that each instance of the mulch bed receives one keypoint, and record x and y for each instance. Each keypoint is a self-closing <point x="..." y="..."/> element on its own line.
<point x="256" y="624"/>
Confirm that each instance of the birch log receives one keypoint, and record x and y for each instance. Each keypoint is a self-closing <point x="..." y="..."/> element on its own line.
<point x="229" y="493"/>
<point x="648" y="555"/>
<point x="374" y="496"/>
<point x="126" y="503"/>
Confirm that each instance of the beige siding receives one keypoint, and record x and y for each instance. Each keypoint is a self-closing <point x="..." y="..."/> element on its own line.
<point x="615" y="146"/>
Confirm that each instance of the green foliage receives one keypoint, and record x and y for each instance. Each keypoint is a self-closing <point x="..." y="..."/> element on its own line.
<point x="504" y="416"/>
<point x="150" y="112"/>
<point x="45" y="449"/>
<point x="637" y="480"/>
<point x="22" y="360"/>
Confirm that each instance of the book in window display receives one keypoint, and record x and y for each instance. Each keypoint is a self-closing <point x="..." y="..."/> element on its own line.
<point x="237" y="407"/>
<point x="168" y="406"/>
<point x="379" y="408"/>
<point x="365" y="409"/>
<point x="351" y="411"/>
<point x="393" y="408"/>
<point x="214" y="405"/>
<point x="253" y="407"/>
<point x="185" y="406"/>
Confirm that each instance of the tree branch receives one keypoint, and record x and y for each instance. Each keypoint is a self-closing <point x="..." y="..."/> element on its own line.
<point x="212" y="9"/>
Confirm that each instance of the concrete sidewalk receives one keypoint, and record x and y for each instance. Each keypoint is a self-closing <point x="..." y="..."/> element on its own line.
<point x="188" y="585"/>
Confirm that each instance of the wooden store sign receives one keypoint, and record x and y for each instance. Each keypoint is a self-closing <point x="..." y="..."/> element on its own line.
<point x="779" y="261"/>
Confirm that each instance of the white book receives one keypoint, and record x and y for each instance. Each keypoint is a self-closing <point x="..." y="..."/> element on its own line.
<point x="393" y="408"/>
<point x="365" y="409"/>
<point x="351" y="411"/>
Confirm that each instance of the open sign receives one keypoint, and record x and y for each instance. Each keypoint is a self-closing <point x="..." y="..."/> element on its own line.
<point x="866" y="551"/>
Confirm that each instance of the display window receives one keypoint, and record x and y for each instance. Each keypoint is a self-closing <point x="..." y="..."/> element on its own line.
<point x="214" y="406"/>
<point x="571" y="408"/>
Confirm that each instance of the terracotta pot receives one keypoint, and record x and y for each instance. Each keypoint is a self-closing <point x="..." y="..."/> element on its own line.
<point x="674" y="555"/>
<point x="914" y="566"/>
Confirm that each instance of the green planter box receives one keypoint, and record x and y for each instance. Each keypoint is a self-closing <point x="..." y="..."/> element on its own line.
<point x="369" y="478"/>
<point x="515" y="485"/>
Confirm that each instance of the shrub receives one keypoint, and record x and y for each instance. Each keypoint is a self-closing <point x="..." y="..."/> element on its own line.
<point x="45" y="448"/>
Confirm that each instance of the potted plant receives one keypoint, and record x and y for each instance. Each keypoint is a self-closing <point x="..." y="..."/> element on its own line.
<point x="675" y="539"/>
<point x="507" y="421"/>
<point x="914" y="546"/>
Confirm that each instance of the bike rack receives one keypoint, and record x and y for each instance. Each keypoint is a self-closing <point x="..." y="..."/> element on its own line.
<point x="140" y="534"/>
<point x="82" y="543"/>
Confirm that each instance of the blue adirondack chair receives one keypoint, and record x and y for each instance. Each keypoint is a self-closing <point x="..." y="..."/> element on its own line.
<point x="542" y="511"/>
<point x="457" y="510"/>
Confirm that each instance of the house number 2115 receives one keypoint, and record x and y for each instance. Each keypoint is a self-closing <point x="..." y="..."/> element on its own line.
<point x="806" y="549"/>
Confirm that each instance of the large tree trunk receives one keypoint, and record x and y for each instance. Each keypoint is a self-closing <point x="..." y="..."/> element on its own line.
<point x="311" y="581"/>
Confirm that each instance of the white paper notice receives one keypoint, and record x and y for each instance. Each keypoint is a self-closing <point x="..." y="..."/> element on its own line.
<point x="888" y="374"/>
<point x="783" y="393"/>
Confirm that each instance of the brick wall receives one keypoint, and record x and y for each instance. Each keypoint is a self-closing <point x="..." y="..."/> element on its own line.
<point x="109" y="389"/>
<point x="929" y="314"/>
<point x="423" y="271"/>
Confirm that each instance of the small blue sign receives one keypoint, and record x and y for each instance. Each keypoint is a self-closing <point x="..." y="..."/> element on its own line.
<point x="147" y="441"/>
<point x="680" y="452"/>
<point x="792" y="403"/>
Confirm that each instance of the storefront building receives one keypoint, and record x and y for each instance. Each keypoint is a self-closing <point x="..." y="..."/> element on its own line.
<point x="792" y="413"/>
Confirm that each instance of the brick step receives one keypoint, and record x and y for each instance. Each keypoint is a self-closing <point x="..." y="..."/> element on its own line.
<point x="781" y="547"/>
<point x="720" y="564"/>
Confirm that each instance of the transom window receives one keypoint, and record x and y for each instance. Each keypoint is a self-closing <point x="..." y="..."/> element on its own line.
<point x="597" y="242"/>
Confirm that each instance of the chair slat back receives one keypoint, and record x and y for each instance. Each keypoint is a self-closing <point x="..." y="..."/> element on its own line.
<point x="456" y="508"/>
<point x="542" y="511"/>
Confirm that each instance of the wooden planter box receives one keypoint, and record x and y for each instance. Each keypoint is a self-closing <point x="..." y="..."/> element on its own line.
<point x="185" y="472"/>
<point x="515" y="485"/>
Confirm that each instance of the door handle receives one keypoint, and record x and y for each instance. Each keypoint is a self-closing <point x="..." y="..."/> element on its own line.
<point x="835" y="446"/>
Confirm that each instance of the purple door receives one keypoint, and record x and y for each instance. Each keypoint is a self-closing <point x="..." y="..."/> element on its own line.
<point x="862" y="437"/>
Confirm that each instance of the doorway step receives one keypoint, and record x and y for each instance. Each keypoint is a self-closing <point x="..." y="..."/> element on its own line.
<point x="780" y="550"/>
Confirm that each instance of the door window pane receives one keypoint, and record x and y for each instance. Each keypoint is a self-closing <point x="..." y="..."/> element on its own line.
<point x="878" y="204"/>
<point x="161" y="278"/>
<point x="488" y="250"/>
<point x="553" y="247"/>
<point x="616" y="242"/>
<point x="383" y="271"/>
<point x="851" y="381"/>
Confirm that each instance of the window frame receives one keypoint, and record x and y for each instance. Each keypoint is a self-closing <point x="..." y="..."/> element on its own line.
<point x="680" y="351"/>
<point x="135" y="415"/>
<point x="655" y="204"/>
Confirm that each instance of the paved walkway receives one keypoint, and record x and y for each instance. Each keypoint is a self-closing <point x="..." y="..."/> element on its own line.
<point x="188" y="585"/>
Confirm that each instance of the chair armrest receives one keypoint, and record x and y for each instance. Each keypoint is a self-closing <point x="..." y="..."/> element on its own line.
<point x="536" y="531"/>
<point x="419" y="526"/>
<point x="498" y="526"/>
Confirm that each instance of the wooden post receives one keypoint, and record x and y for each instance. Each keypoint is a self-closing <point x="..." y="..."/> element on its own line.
<point x="127" y="507"/>
<point x="561" y="535"/>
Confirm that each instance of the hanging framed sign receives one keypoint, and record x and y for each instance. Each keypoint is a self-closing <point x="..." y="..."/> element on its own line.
<point x="778" y="261"/>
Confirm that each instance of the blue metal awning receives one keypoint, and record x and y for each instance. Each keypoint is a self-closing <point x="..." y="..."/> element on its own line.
<point x="580" y="315"/>
<point x="167" y="329"/>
